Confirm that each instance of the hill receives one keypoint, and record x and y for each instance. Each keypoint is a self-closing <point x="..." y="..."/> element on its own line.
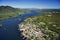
<point x="8" y="11"/>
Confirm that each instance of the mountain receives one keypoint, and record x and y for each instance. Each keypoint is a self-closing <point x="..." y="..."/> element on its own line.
<point x="7" y="9"/>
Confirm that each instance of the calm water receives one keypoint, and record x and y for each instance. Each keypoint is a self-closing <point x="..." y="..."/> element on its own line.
<point x="9" y="30"/>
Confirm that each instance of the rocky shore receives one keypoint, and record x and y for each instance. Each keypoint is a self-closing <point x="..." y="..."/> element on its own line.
<point x="31" y="31"/>
<point x="35" y="29"/>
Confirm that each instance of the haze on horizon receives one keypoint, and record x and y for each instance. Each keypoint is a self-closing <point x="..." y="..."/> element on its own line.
<point x="41" y="4"/>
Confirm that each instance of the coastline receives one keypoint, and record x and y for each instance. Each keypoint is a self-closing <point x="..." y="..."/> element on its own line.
<point x="35" y="28"/>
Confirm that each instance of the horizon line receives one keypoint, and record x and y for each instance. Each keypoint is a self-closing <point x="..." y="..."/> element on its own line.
<point x="30" y="8"/>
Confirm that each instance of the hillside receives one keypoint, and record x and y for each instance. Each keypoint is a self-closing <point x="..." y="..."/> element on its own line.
<point x="8" y="11"/>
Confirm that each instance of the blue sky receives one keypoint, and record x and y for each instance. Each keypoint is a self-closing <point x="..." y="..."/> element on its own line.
<point x="41" y="4"/>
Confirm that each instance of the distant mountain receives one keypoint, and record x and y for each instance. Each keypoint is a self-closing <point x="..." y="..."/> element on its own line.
<point x="50" y="10"/>
<point x="7" y="9"/>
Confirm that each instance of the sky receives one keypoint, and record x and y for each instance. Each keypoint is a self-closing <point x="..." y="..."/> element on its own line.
<point x="41" y="4"/>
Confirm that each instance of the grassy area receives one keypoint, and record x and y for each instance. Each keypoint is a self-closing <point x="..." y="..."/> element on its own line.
<point x="54" y="19"/>
<point x="49" y="24"/>
<point x="6" y="16"/>
<point x="7" y="12"/>
<point x="0" y="25"/>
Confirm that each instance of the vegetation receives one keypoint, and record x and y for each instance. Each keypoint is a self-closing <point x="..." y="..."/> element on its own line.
<point x="7" y="12"/>
<point x="0" y="25"/>
<point x="48" y="22"/>
<point x="49" y="25"/>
